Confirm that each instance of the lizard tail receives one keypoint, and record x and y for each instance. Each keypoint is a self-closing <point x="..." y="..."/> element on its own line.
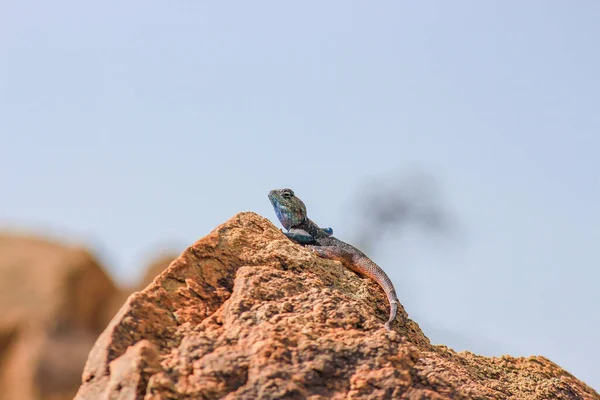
<point x="364" y="266"/>
<point x="393" y="312"/>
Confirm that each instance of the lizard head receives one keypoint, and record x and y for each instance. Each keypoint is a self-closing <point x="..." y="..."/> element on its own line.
<point x="290" y="210"/>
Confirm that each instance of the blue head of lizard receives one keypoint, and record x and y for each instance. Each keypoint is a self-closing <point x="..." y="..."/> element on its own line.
<point x="290" y="210"/>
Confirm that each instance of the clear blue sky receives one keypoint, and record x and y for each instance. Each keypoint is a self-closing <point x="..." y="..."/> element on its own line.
<point x="128" y="125"/>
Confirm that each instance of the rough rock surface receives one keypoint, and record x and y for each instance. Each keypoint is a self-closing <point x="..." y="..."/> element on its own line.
<point x="53" y="301"/>
<point x="245" y="313"/>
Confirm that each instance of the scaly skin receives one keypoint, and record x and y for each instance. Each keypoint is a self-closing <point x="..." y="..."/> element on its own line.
<point x="291" y="212"/>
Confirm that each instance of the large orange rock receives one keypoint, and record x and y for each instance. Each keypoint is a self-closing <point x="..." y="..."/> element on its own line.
<point x="53" y="300"/>
<point x="245" y="313"/>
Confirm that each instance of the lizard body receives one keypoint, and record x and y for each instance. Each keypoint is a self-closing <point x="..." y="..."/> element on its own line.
<point x="291" y="212"/>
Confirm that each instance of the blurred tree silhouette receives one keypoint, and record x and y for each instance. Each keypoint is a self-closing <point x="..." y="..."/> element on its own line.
<point x="391" y="206"/>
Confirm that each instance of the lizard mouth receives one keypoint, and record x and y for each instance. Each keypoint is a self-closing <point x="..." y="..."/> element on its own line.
<point x="274" y="198"/>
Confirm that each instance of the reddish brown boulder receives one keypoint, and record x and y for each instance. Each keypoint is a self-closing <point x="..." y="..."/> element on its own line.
<point x="245" y="313"/>
<point x="53" y="300"/>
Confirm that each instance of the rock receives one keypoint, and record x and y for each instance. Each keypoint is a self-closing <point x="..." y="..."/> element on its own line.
<point x="54" y="307"/>
<point x="246" y="314"/>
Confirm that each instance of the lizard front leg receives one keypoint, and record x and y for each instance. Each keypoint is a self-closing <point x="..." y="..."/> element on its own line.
<point x="300" y="236"/>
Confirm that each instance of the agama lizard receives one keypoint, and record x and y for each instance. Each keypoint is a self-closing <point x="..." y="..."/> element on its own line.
<point x="291" y="212"/>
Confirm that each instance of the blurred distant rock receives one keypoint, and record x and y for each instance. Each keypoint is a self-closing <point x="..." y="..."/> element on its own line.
<point x="54" y="301"/>
<point x="244" y="313"/>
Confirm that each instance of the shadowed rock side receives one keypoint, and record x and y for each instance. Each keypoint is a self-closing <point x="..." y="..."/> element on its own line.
<point x="245" y="313"/>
